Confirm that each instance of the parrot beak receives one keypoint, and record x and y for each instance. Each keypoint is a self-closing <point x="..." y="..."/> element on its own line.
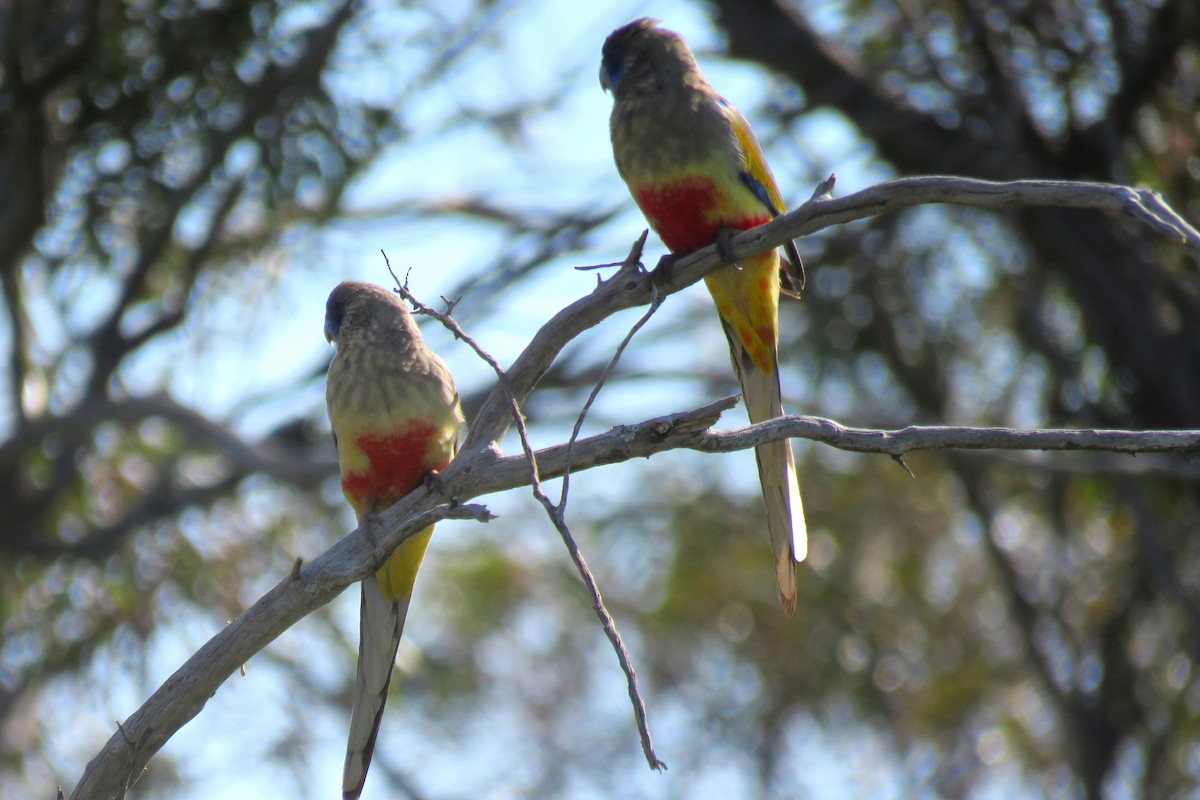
<point x="603" y="78"/>
<point x="330" y="331"/>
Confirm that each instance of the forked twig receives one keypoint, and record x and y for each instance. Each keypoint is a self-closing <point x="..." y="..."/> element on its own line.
<point x="557" y="513"/>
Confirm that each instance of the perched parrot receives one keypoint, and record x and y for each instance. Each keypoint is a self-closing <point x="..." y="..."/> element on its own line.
<point x="396" y="418"/>
<point x="699" y="175"/>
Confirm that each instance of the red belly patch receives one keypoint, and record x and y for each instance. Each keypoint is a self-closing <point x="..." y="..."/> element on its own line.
<point x="399" y="462"/>
<point x="683" y="213"/>
<point x="678" y="212"/>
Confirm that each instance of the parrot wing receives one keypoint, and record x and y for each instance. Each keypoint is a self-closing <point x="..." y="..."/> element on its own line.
<point x="757" y="177"/>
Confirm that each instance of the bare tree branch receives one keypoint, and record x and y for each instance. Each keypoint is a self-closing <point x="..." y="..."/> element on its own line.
<point x="628" y="288"/>
<point x="1145" y="205"/>
<point x="484" y="471"/>
<point x="946" y="437"/>
<point x="481" y="469"/>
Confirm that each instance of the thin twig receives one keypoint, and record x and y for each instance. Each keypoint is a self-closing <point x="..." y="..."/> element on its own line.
<point x="557" y="514"/>
<point x="632" y="262"/>
<point x="445" y="318"/>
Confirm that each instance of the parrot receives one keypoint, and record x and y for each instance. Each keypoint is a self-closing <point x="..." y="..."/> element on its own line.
<point x="396" y="421"/>
<point x="699" y="175"/>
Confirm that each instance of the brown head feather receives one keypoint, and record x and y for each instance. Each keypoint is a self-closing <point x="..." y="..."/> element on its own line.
<point x="641" y="58"/>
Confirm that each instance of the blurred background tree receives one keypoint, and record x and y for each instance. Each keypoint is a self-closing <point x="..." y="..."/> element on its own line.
<point x="181" y="183"/>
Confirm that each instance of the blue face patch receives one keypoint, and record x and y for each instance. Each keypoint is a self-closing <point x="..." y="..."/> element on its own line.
<point x="610" y="73"/>
<point x="614" y="55"/>
<point x="335" y="311"/>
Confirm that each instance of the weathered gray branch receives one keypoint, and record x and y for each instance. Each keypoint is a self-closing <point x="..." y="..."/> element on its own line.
<point x="481" y="469"/>
<point x="483" y="472"/>
<point x="945" y="437"/>
<point x="629" y="287"/>
<point x="1145" y="205"/>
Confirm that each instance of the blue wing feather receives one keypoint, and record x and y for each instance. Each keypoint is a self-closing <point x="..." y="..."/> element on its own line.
<point x="760" y="191"/>
<point x="756" y="176"/>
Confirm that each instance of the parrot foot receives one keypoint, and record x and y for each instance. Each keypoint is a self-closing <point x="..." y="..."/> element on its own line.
<point x="434" y="483"/>
<point x="371" y="527"/>
<point x="664" y="270"/>
<point x="725" y="245"/>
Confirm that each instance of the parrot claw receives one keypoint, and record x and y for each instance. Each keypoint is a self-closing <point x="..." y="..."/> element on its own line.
<point x="725" y="245"/>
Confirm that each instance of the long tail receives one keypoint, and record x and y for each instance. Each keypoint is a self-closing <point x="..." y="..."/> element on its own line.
<point x="381" y="622"/>
<point x="385" y="598"/>
<point x="776" y="471"/>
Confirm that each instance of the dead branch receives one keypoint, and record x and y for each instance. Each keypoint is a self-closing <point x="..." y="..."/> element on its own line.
<point x="481" y="469"/>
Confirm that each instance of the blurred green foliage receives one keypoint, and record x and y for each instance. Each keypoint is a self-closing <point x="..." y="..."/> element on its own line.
<point x="1000" y="620"/>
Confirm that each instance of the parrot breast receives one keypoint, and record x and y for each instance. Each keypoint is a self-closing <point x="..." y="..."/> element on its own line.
<point x="687" y="212"/>
<point x="398" y="462"/>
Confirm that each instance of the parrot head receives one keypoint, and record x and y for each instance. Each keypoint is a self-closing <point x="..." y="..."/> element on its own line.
<point x="363" y="306"/>
<point x="634" y="54"/>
